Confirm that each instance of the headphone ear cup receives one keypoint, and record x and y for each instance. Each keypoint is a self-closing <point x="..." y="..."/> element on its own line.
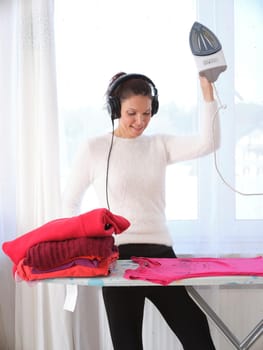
<point x="155" y="105"/>
<point x="114" y="107"/>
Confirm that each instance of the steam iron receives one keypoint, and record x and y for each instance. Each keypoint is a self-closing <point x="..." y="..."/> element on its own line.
<point x="207" y="51"/>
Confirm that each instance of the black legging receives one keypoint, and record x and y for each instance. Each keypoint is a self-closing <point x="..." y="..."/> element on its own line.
<point x="125" y="305"/>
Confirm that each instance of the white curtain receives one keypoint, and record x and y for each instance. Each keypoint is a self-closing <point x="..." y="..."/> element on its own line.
<point x="7" y="173"/>
<point x="36" y="151"/>
<point x="30" y="192"/>
<point x="41" y="322"/>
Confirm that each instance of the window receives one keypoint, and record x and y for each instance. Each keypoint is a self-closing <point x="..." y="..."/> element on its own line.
<point x="248" y="107"/>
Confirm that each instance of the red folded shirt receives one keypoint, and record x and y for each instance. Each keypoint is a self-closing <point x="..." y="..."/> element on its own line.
<point x="96" y="223"/>
<point x="48" y="255"/>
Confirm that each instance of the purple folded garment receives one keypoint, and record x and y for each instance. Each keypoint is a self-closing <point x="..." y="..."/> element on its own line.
<point x="79" y="261"/>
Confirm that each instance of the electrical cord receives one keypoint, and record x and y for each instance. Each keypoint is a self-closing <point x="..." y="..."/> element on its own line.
<point x="108" y="165"/>
<point x="223" y="106"/>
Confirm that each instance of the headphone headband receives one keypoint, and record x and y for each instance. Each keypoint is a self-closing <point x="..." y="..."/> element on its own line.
<point x="113" y="102"/>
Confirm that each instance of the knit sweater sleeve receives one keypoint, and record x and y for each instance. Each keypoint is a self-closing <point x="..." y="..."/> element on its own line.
<point x="181" y="148"/>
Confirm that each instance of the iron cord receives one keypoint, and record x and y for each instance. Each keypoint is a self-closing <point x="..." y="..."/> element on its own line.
<point x="223" y="106"/>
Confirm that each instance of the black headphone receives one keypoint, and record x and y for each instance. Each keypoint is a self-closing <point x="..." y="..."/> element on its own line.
<point x="113" y="102"/>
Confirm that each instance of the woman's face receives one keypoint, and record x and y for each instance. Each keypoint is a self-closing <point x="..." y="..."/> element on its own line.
<point x="136" y="113"/>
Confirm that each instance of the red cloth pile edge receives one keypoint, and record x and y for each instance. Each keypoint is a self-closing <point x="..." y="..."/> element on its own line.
<point x="79" y="246"/>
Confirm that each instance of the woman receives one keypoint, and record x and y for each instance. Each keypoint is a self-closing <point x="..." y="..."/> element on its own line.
<point x="127" y="169"/>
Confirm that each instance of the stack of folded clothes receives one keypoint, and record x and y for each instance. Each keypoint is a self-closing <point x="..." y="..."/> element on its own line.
<point x="80" y="246"/>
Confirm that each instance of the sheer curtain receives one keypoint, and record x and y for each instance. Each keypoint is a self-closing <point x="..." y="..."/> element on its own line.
<point x="30" y="177"/>
<point x="91" y="42"/>
<point x="37" y="309"/>
<point x="7" y="173"/>
<point x="41" y="321"/>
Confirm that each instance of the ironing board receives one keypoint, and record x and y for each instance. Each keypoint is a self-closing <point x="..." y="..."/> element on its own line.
<point x="116" y="279"/>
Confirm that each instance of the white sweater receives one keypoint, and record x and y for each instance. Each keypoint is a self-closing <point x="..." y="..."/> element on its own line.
<point x="136" y="184"/>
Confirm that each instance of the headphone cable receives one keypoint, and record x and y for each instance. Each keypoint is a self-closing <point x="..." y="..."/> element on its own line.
<point x="108" y="165"/>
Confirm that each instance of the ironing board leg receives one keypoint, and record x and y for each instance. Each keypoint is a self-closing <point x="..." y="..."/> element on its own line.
<point x="252" y="336"/>
<point x="213" y="316"/>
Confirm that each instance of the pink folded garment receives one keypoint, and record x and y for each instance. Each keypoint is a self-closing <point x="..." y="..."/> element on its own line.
<point x="166" y="270"/>
<point x="48" y="255"/>
<point x="96" y="223"/>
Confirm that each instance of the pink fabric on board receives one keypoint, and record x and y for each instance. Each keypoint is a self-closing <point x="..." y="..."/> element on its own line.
<point x="166" y="270"/>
